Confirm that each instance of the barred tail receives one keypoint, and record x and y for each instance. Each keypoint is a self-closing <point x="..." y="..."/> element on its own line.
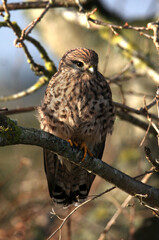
<point x="67" y="182"/>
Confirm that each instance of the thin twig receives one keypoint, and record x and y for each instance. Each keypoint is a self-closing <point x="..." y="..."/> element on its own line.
<point x="137" y="122"/>
<point x="151" y="104"/>
<point x="106" y="58"/>
<point x="30" y="27"/>
<point x="46" y="71"/>
<point x="147" y="113"/>
<point x="157" y="104"/>
<point x="6" y="111"/>
<point x="37" y="68"/>
<point x="153" y="161"/>
<point x="140" y="62"/>
<point x="89" y="200"/>
<point x="137" y="94"/>
<point x="154" y="26"/>
<point x="76" y="208"/>
<point x="114" y="26"/>
<point x="146" y="133"/>
<point x="141" y="111"/>
<point x="6" y="9"/>
<point x="123" y="71"/>
<point x="119" y="211"/>
<point x="153" y="125"/>
<point x="7" y="17"/>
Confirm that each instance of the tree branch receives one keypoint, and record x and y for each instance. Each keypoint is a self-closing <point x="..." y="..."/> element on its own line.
<point x="40" y="4"/>
<point x="40" y="82"/>
<point x="135" y="121"/>
<point x="11" y="134"/>
<point x="45" y="71"/>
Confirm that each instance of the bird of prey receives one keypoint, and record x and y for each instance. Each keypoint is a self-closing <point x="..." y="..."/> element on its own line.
<point x="77" y="107"/>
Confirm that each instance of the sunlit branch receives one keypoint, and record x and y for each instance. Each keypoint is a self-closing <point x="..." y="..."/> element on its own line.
<point x="41" y="81"/>
<point x="11" y="134"/>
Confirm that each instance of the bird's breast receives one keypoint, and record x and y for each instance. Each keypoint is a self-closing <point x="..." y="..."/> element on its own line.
<point x="79" y="109"/>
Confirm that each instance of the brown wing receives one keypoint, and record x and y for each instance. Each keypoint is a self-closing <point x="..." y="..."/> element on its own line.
<point x="67" y="182"/>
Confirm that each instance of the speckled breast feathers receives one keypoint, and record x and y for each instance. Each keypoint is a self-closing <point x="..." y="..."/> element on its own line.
<point x="77" y="106"/>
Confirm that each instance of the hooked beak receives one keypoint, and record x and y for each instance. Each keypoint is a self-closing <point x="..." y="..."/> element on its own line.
<point x="91" y="69"/>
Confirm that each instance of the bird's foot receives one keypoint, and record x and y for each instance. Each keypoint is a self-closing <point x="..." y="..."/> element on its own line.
<point x="72" y="143"/>
<point x="86" y="150"/>
<point x="82" y="146"/>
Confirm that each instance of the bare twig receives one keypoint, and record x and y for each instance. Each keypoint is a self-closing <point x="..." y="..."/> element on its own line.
<point x="37" y="68"/>
<point x="39" y="4"/>
<point x="88" y="201"/>
<point x="7" y="17"/>
<point x="30" y="27"/>
<point x="155" y="27"/>
<point x="157" y="104"/>
<point x="121" y="73"/>
<point x="146" y="133"/>
<point x="119" y="211"/>
<point x="141" y="111"/>
<point x="128" y="50"/>
<point x="153" y="161"/>
<point x="6" y="111"/>
<point x="114" y="218"/>
<point x="53" y="213"/>
<point x="153" y="125"/>
<point x="147" y="113"/>
<point x="106" y="58"/>
<point x="46" y="71"/>
<point x="7" y="14"/>
<point x="137" y="122"/>
<point x="76" y="208"/>
<point x="137" y="94"/>
<point x="10" y="133"/>
<point x="114" y="26"/>
<point x="150" y="105"/>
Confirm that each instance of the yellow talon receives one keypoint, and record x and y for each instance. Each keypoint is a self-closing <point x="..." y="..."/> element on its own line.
<point x="82" y="146"/>
<point x="86" y="150"/>
<point x="72" y="143"/>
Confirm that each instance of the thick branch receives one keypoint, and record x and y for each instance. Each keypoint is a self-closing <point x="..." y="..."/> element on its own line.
<point x="11" y="134"/>
<point x="39" y="4"/>
<point x="135" y="121"/>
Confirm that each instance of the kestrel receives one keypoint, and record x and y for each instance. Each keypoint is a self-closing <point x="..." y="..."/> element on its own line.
<point x="77" y="107"/>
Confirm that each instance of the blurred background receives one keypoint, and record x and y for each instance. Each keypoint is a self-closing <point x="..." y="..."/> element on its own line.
<point x="25" y="203"/>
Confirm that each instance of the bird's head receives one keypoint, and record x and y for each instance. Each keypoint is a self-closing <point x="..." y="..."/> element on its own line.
<point x="80" y="61"/>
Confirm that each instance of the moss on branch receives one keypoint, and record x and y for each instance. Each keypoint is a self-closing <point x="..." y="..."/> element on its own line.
<point x="11" y="133"/>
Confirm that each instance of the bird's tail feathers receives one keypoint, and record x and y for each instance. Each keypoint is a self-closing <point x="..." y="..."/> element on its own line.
<point x="67" y="182"/>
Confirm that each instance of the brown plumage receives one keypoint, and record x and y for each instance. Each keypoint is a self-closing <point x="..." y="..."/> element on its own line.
<point x="77" y="106"/>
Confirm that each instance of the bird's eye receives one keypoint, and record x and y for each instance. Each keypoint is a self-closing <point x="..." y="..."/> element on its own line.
<point x="78" y="64"/>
